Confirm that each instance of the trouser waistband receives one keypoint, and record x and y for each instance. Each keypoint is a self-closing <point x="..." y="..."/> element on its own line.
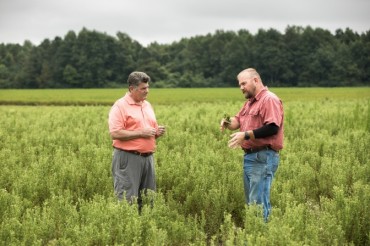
<point x="136" y="152"/>
<point x="257" y="149"/>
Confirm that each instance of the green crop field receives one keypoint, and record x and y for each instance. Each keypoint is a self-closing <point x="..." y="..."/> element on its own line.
<point x="84" y="97"/>
<point x="56" y="186"/>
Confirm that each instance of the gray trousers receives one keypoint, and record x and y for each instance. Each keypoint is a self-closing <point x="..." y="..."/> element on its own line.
<point x="132" y="175"/>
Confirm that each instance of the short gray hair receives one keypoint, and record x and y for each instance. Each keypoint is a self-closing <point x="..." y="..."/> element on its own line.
<point x="135" y="78"/>
<point x="251" y="72"/>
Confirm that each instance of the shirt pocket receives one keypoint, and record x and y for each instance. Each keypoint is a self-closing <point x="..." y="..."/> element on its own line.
<point x="253" y="119"/>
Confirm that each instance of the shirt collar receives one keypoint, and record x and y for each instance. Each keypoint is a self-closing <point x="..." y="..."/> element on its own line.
<point x="259" y="95"/>
<point x="131" y="101"/>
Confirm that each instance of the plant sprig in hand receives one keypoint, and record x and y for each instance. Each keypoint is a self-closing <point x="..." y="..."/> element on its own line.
<point x="227" y="118"/>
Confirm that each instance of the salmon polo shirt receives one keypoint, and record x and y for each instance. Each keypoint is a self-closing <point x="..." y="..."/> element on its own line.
<point x="125" y="114"/>
<point x="263" y="109"/>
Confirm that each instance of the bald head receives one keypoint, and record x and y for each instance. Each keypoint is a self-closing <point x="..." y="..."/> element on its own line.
<point x="250" y="82"/>
<point x="249" y="73"/>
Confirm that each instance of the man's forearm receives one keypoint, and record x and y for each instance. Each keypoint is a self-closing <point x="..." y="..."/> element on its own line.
<point x="125" y="135"/>
<point x="263" y="132"/>
<point x="234" y="124"/>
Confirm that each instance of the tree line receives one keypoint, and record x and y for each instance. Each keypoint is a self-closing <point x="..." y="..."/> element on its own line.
<point x="301" y="56"/>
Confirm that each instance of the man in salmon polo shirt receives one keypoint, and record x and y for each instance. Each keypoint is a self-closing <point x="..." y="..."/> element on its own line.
<point x="260" y="122"/>
<point x="134" y="129"/>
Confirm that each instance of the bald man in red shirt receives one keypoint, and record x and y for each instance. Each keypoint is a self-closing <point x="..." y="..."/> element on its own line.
<point x="261" y="125"/>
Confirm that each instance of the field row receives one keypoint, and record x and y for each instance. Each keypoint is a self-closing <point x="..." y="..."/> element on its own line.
<point x="170" y="96"/>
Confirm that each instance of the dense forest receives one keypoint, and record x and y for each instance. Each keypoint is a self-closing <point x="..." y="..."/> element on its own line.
<point x="301" y="56"/>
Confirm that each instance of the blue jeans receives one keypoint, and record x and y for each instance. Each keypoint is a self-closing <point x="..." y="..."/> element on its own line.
<point x="259" y="170"/>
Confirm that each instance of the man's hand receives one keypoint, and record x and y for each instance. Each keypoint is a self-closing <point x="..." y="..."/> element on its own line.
<point x="148" y="132"/>
<point x="160" y="131"/>
<point x="236" y="140"/>
<point x="225" y="122"/>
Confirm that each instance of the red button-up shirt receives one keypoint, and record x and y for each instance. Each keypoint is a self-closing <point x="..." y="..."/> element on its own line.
<point x="265" y="108"/>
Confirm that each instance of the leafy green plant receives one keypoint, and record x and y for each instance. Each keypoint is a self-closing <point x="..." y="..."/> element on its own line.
<point x="56" y="185"/>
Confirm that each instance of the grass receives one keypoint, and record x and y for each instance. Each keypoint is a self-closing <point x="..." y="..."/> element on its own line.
<point x="168" y="96"/>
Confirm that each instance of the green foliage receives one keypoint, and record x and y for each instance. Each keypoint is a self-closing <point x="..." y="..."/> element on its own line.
<point x="56" y="185"/>
<point x="302" y="56"/>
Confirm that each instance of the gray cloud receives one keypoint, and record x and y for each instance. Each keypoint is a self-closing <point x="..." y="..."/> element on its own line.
<point x="166" y="21"/>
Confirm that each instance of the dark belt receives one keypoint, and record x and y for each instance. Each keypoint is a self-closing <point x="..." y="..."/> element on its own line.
<point x="257" y="149"/>
<point x="136" y="152"/>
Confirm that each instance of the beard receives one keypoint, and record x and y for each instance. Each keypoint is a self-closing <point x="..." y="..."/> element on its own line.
<point x="248" y="94"/>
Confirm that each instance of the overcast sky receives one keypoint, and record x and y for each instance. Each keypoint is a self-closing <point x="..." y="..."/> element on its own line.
<point x="165" y="21"/>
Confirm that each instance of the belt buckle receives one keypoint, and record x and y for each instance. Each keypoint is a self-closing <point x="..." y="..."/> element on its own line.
<point x="248" y="151"/>
<point x="144" y="154"/>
